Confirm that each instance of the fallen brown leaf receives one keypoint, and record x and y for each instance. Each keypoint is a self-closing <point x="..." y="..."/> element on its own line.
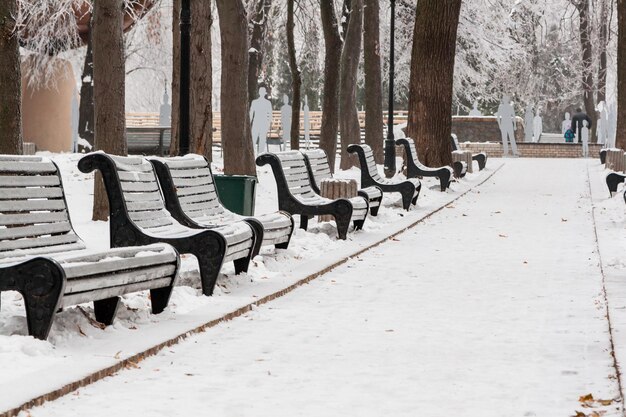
<point x="585" y="398"/>
<point x="501" y="235"/>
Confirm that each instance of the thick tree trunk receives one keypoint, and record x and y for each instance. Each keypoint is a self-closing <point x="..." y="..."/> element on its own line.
<point x="620" y="141"/>
<point x="330" y="105"/>
<point x="348" y="114"/>
<point x="296" y="78"/>
<point x="109" y="84"/>
<point x="587" y="75"/>
<point x="431" y="79"/>
<point x="85" y="112"/>
<point x="11" y="76"/>
<point x="236" y="137"/>
<point x="175" y="120"/>
<point x="603" y="41"/>
<point x="373" y="79"/>
<point x="258" y="35"/>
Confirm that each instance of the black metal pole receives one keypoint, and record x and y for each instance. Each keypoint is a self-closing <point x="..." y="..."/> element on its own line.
<point x="390" y="144"/>
<point x="185" y="41"/>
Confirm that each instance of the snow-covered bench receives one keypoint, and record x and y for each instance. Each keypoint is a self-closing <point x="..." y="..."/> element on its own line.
<point x="603" y="156"/>
<point x="296" y="196"/>
<point x="42" y="257"/>
<point x="190" y="196"/>
<point x="409" y="189"/>
<point x="613" y="179"/>
<point x="416" y="169"/>
<point x="480" y="157"/>
<point x="319" y="169"/>
<point x="138" y="216"/>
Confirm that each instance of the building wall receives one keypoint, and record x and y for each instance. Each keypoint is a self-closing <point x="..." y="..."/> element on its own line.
<point x="535" y="150"/>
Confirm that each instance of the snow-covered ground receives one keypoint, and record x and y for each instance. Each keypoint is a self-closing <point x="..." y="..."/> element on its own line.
<point x="77" y="347"/>
<point x="493" y="306"/>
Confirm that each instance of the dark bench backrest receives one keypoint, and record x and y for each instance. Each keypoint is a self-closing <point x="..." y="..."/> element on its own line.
<point x="141" y="192"/>
<point x="371" y="163"/>
<point x="33" y="211"/>
<point x="296" y="173"/>
<point x="320" y="169"/>
<point x="413" y="150"/>
<point x="193" y="180"/>
<point x="454" y="142"/>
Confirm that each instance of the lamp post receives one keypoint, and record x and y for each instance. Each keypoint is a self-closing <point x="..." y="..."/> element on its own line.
<point x="185" y="40"/>
<point x="390" y="144"/>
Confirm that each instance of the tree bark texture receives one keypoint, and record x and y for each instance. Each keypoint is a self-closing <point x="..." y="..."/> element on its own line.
<point x="109" y="84"/>
<point x="236" y="136"/>
<point x="603" y="38"/>
<point x="296" y="78"/>
<point x="332" y="58"/>
<point x="373" y="79"/>
<point x="431" y="79"/>
<point x="258" y="35"/>
<point x="175" y="120"/>
<point x="85" y="111"/>
<point x="348" y="114"/>
<point x="620" y="141"/>
<point x="11" y="76"/>
<point x="587" y="75"/>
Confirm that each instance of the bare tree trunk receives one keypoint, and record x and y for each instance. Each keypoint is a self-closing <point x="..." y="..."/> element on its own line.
<point x="603" y="41"/>
<point x="201" y="82"/>
<point x="85" y="112"/>
<point x="348" y="114"/>
<point x="620" y="141"/>
<point x="11" y="76"/>
<point x="431" y="80"/>
<point x="258" y="36"/>
<point x="236" y="136"/>
<point x="332" y="60"/>
<point x="587" y="75"/>
<point x="109" y="83"/>
<point x="175" y="119"/>
<point x="373" y="79"/>
<point x="296" y="79"/>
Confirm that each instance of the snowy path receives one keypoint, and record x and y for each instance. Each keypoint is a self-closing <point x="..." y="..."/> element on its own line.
<point x="492" y="307"/>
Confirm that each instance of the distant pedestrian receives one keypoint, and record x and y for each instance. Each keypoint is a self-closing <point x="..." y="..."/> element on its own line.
<point x="584" y="138"/>
<point x="577" y="122"/>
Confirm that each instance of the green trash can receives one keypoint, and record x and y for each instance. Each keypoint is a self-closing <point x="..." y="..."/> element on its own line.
<point x="236" y="192"/>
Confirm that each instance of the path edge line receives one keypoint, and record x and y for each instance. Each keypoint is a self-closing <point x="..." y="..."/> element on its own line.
<point x="606" y="298"/>
<point x="132" y="361"/>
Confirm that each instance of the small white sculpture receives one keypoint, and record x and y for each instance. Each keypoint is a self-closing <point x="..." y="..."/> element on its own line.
<point x="260" y="121"/>
<point x="602" y="126"/>
<point x="584" y="137"/>
<point x="506" y="122"/>
<point x="165" y="111"/>
<point x="566" y="124"/>
<point x="528" y="124"/>
<point x="285" y="119"/>
<point x="537" y="127"/>
<point x="307" y="123"/>
<point x="475" y="111"/>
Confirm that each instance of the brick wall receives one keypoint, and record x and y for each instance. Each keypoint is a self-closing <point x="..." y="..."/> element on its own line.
<point x="482" y="129"/>
<point x="535" y="150"/>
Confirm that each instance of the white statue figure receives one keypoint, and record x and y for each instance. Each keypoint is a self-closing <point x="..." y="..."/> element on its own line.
<point x="528" y="124"/>
<point x="307" y="123"/>
<point x="285" y="119"/>
<point x="75" y="120"/>
<point x="584" y="138"/>
<point x="566" y="124"/>
<point x="537" y="127"/>
<point x="260" y="121"/>
<point x="602" y="126"/>
<point x="165" y="111"/>
<point x="611" y="126"/>
<point x="506" y="122"/>
<point x="475" y="111"/>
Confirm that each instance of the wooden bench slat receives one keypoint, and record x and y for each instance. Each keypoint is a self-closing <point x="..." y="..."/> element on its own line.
<point x="157" y="222"/>
<point x="199" y="198"/>
<point x="190" y="173"/>
<point x="49" y="244"/>
<point x="28" y="180"/>
<point x="148" y="215"/>
<point x="24" y="193"/>
<point x="145" y="205"/>
<point x="190" y="182"/>
<point x="147" y="196"/>
<point x="27" y="167"/>
<point x="126" y="176"/>
<point x="87" y="296"/>
<point x="132" y="276"/>
<point x="32" y="205"/>
<point x="34" y="230"/>
<point x="139" y="186"/>
<point x="200" y="189"/>
<point x="32" y="218"/>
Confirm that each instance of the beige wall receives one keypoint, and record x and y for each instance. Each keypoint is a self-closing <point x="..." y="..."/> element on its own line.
<point x="47" y="112"/>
